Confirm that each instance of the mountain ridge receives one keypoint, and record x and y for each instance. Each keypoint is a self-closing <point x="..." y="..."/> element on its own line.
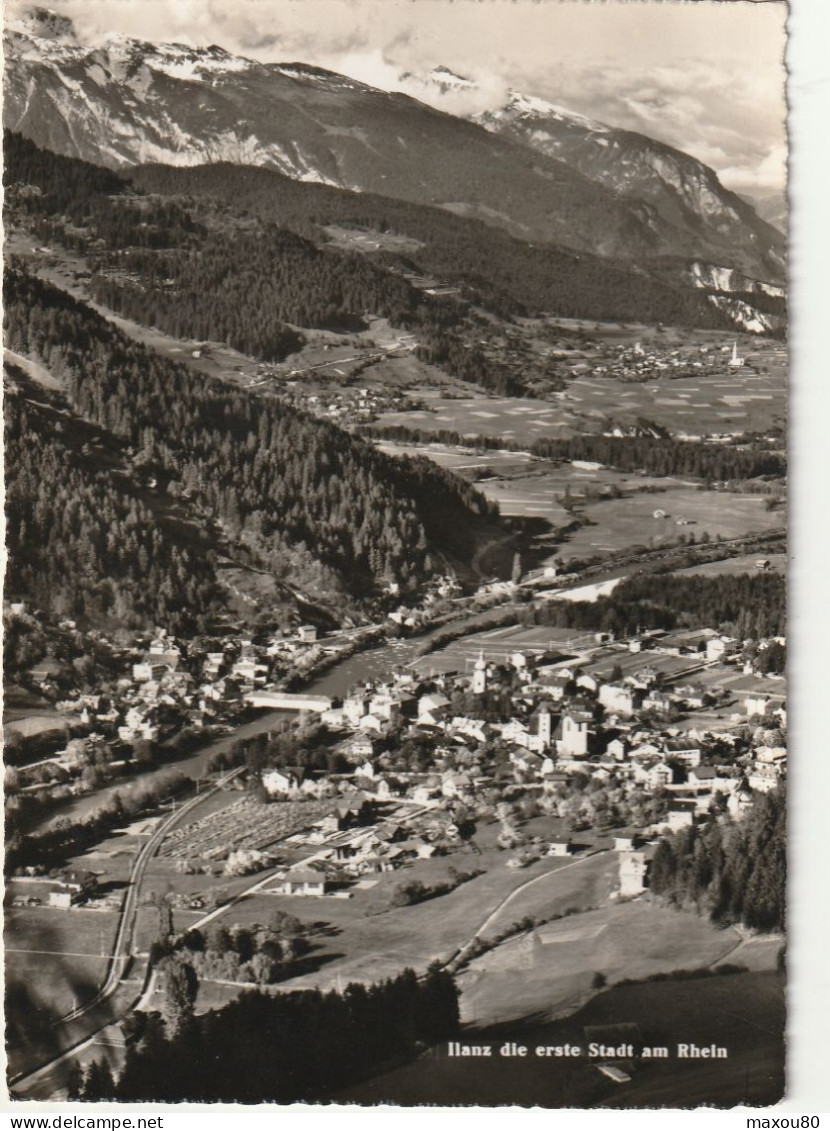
<point x="682" y="189"/>
<point x="125" y="102"/>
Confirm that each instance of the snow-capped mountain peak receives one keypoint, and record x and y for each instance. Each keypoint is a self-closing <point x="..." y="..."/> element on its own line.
<point x="124" y="101"/>
<point x="684" y="192"/>
<point x="527" y="104"/>
<point x="439" y="81"/>
<point x="42" y="23"/>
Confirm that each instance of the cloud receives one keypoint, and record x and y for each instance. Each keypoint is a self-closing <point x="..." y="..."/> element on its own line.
<point x="730" y="120"/>
<point x="769" y="174"/>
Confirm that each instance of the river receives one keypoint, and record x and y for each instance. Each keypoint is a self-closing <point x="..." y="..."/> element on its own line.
<point x="371" y="664"/>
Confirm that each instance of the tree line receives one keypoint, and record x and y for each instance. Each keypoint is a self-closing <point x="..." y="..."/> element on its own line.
<point x="287" y="1048"/>
<point x="734" y="871"/>
<point x="744" y="605"/>
<point x="95" y="201"/>
<point x="65" y="837"/>
<point x="656" y="455"/>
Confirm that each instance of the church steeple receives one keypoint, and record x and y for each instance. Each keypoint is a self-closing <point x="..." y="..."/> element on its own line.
<point x="480" y="675"/>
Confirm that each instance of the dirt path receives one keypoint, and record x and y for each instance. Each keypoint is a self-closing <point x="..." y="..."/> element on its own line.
<point x="458" y="957"/>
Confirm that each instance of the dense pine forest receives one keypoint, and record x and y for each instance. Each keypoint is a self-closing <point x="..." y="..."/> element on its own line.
<point x="314" y="504"/>
<point x="665" y="456"/>
<point x="744" y="605"/>
<point x="287" y="1048"/>
<point x="507" y="274"/>
<point x="736" y="872"/>
<point x="83" y="546"/>
<point x="224" y="276"/>
<point x="134" y="210"/>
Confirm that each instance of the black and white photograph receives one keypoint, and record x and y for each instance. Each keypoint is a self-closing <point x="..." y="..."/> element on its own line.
<point x="395" y="604"/>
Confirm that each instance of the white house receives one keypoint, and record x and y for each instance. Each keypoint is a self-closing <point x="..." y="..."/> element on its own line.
<point x="432" y="704"/>
<point x="756" y="704"/>
<point x="287" y="780"/>
<point x="617" y="749"/>
<point x="576" y="735"/>
<point x="302" y="881"/>
<point x="620" y="698"/>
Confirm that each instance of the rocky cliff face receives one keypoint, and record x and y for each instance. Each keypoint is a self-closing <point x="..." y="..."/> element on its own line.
<point x="684" y="192"/>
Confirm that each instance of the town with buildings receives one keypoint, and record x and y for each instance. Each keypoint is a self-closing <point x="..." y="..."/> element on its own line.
<point x="633" y="738"/>
<point x="395" y="609"/>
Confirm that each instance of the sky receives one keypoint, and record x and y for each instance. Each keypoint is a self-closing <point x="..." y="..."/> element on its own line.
<point x="706" y="76"/>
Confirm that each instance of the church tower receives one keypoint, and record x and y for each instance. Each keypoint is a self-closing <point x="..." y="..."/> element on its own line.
<point x="480" y="675"/>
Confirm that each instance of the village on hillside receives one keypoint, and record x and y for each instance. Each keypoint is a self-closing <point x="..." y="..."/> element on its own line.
<point x="636" y="737"/>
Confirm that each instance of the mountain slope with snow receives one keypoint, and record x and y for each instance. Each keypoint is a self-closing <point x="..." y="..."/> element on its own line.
<point x="126" y="102"/>
<point x="684" y="192"/>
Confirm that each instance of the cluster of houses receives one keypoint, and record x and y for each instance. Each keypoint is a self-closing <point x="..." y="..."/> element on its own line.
<point x="167" y="686"/>
<point x="565" y="720"/>
<point x="643" y="363"/>
<point x="65" y="889"/>
<point x="348" y="405"/>
<point x="662" y="715"/>
<point x="441" y="587"/>
<point x="356" y="839"/>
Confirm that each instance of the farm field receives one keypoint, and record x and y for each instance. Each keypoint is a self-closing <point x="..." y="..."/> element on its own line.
<point x="549" y="971"/>
<point x="618" y="524"/>
<point x="742" y="1012"/>
<point x="462" y="460"/>
<point x="734" y="681"/>
<point x="707" y="404"/>
<point x="524" y="485"/>
<point x="614" y="524"/>
<point x="79" y="939"/>
<point x="369" y="239"/>
<point x="366" y="939"/>
<point x="672" y="668"/>
<point x="111" y="859"/>
<point x="54" y="959"/>
<point x="520" y="419"/>
<point x="743" y="564"/>
<point x="529" y="497"/>
<point x="499" y="644"/>
<point x="29" y="726"/>
<point x="329" y="359"/>
<point x="27" y="714"/>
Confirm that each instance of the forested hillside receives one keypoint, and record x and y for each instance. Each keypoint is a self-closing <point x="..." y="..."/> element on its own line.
<point x="746" y="605"/>
<point x="506" y="273"/>
<point x="215" y="273"/>
<point x="81" y="545"/>
<point x="735" y="872"/>
<point x="311" y="502"/>
<point x="313" y="284"/>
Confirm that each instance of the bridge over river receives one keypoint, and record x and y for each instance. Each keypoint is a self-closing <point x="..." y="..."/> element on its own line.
<point x="288" y="701"/>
